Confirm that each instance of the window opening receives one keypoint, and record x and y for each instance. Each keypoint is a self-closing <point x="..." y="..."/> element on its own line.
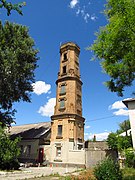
<point x="21" y="149"/>
<point x="64" y="69"/>
<point x="28" y="150"/>
<point x="65" y="56"/>
<point x="58" y="151"/>
<point x="63" y="89"/>
<point x="62" y="103"/>
<point x="59" y="130"/>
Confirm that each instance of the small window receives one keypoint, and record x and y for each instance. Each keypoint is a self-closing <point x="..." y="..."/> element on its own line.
<point x="62" y="103"/>
<point x="79" y="99"/>
<point x="64" y="69"/>
<point x="58" y="151"/>
<point x="59" y="130"/>
<point x="63" y="89"/>
<point x="28" y="150"/>
<point x="65" y="56"/>
<point x="21" y="149"/>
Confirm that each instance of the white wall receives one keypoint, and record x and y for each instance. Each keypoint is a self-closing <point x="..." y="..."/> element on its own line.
<point x="131" y="108"/>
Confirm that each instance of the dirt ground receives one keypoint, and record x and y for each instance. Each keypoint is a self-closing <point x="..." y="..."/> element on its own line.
<point x="34" y="172"/>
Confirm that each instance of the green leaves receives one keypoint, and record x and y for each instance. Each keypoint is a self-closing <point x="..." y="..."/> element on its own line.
<point x="9" y="151"/>
<point x="9" y="6"/>
<point x="118" y="142"/>
<point x="18" y="60"/>
<point x="112" y="141"/>
<point x="115" y="44"/>
<point x="107" y="169"/>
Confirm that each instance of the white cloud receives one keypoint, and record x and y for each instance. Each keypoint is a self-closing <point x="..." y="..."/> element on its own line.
<point x="82" y="10"/>
<point x="87" y="127"/>
<point x="86" y="17"/>
<point x="49" y="92"/>
<point x="48" y="108"/>
<point x="93" y="17"/>
<point x="99" y="136"/>
<point x="117" y="105"/>
<point x="73" y="3"/>
<point x="78" y="11"/>
<point x="86" y="134"/>
<point x="40" y="87"/>
<point x="121" y="112"/>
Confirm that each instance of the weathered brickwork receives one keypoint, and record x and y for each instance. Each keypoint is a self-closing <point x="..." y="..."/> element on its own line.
<point x="67" y="130"/>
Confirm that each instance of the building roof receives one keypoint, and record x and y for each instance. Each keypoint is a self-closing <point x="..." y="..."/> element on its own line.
<point x="31" y="131"/>
<point x="124" y="133"/>
<point x="126" y="101"/>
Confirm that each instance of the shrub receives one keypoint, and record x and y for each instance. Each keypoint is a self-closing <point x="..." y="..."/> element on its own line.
<point x="107" y="169"/>
<point x="130" y="157"/>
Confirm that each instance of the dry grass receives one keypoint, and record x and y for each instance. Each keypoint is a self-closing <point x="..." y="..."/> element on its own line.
<point x="87" y="175"/>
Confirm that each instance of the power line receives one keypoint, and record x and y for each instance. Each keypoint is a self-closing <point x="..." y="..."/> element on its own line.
<point x="107" y="117"/>
<point x="97" y="119"/>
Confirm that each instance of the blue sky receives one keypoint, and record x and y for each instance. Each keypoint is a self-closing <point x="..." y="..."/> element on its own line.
<point x="52" y="22"/>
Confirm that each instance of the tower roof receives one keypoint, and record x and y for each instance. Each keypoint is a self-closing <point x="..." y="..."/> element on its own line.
<point x="69" y="45"/>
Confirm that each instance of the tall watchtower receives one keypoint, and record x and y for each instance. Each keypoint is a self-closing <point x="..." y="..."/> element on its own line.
<point x="67" y="131"/>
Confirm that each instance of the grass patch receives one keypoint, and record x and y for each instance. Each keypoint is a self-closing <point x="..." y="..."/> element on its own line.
<point x="55" y="175"/>
<point x="128" y="174"/>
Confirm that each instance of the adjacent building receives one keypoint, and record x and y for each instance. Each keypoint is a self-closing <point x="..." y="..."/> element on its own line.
<point x="130" y="104"/>
<point x="34" y="137"/>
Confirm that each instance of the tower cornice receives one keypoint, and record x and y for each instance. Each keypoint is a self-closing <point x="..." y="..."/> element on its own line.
<point x="69" y="46"/>
<point x="69" y="78"/>
<point x="67" y="115"/>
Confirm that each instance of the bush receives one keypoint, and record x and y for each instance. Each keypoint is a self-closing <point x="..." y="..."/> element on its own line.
<point x="10" y="165"/>
<point x="130" y="158"/>
<point x="107" y="169"/>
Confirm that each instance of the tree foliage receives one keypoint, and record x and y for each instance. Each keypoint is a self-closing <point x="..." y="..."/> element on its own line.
<point x="18" y="59"/>
<point x="9" y="6"/>
<point x="116" y="141"/>
<point x="112" y="141"/>
<point x="124" y="142"/>
<point x="9" y="151"/>
<point x="124" y="127"/>
<point x="115" y="44"/>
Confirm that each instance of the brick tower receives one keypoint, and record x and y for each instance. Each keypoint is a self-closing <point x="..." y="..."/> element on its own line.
<point x="67" y="130"/>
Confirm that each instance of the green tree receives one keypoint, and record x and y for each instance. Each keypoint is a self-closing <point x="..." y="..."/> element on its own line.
<point x="115" y="44"/>
<point x="124" y="142"/>
<point x="9" y="151"/>
<point x="112" y="141"/>
<point x="124" y="127"/>
<point x="18" y="59"/>
<point x="10" y="6"/>
<point x="116" y="141"/>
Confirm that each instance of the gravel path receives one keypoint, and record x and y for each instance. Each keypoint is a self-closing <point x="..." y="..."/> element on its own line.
<point x="31" y="172"/>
